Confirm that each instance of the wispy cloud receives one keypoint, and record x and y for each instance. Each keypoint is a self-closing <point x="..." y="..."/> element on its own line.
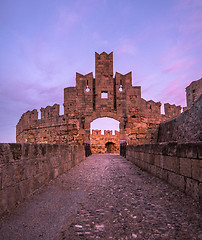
<point x="181" y="64"/>
<point x="127" y="48"/>
<point x="66" y="21"/>
<point x="175" y="91"/>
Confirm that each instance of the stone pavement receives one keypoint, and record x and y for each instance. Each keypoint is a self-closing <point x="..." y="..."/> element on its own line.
<point x="105" y="197"/>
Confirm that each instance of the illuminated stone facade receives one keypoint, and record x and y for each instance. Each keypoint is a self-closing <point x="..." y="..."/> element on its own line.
<point x="105" y="95"/>
<point x="105" y="143"/>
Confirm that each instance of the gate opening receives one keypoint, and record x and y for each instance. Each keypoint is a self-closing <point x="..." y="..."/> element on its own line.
<point x="110" y="147"/>
<point x="104" y="136"/>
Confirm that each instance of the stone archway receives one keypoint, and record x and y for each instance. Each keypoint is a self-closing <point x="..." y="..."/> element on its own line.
<point x="99" y="136"/>
<point x="109" y="147"/>
<point x="102" y="95"/>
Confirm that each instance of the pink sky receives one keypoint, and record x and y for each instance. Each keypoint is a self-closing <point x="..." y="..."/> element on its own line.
<point x="44" y="43"/>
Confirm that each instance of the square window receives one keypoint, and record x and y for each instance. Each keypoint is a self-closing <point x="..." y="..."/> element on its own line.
<point x="104" y="94"/>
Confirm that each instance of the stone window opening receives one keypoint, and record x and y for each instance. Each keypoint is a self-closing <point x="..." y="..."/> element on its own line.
<point x="125" y="120"/>
<point x="104" y="94"/>
<point x="83" y="122"/>
<point x="87" y="88"/>
<point x="121" y="86"/>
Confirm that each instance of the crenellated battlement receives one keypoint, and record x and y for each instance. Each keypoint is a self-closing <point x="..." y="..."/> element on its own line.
<point x="153" y="107"/>
<point x="103" y="64"/>
<point x="30" y="128"/>
<point x="102" y="95"/>
<point x="172" y="110"/>
<point x="27" y="121"/>
<point x="50" y="112"/>
<point x="106" y="133"/>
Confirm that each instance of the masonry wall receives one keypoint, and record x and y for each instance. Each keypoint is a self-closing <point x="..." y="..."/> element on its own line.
<point x="51" y="128"/>
<point x="179" y="164"/>
<point x="185" y="127"/>
<point x="99" y="142"/>
<point x="24" y="168"/>
<point x="85" y="102"/>
<point x="193" y="92"/>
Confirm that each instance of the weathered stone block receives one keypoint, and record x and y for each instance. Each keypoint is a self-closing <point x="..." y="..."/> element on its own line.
<point x="185" y="167"/>
<point x="138" y="155"/>
<point x="8" y="177"/>
<point x="171" y="164"/>
<point x="45" y="177"/>
<point x="192" y="188"/>
<point x="16" y="151"/>
<point x="14" y="196"/>
<point x="146" y="157"/>
<point x="4" y="153"/>
<point x="30" y="168"/>
<point x="26" y="150"/>
<point x="196" y="170"/>
<point x="151" y="158"/>
<point x="156" y="148"/>
<point x="176" y="180"/>
<point x="42" y="150"/>
<point x="199" y="150"/>
<point x="3" y="202"/>
<point x="200" y="192"/>
<point x="161" y="160"/>
<point x="157" y="160"/>
<point x="36" y="182"/>
<point x="169" y="149"/>
<point x="34" y="151"/>
<point x="187" y="150"/>
<point x="153" y="170"/>
<point x="19" y="172"/>
<point x="162" y="173"/>
<point x="25" y="188"/>
<point x="54" y="161"/>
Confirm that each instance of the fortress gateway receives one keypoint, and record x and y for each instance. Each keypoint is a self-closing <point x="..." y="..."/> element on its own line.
<point x="96" y="97"/>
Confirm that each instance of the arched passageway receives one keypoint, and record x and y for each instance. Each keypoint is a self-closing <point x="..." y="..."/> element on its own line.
<point x="105" y="136"/>
<point x="110" y="147"/>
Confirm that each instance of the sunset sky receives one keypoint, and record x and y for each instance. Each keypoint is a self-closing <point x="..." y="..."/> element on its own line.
<point x="43" y="43"/>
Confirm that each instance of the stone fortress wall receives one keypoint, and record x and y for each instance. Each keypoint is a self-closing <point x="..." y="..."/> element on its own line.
<point x="105" y="143"/>
<point x="179" y="164"/>
<point x="177" y="156"/>
<point x="185" y="127"/>
<point x="105" y="95"/>
<point x="25" y="168"/>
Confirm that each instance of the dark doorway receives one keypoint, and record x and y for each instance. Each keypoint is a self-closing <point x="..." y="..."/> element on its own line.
<point x="110" y="147"/>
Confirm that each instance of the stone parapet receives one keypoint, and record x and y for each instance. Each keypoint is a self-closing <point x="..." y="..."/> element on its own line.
<point x="179" y="164"/>
<point x="25" y="168"/>
<point x="172" y="110"/>
<point x="184" y="127"/>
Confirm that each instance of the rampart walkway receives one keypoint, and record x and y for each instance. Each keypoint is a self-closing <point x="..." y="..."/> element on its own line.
<point x="105" y="197"/>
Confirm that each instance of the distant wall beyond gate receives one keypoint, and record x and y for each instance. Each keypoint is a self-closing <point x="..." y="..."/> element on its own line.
<point x="177" y="164"/>
<point x="24" y="168"/>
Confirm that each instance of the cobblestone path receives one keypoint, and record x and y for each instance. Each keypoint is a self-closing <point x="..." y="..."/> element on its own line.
<point x="105" y="197"/>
